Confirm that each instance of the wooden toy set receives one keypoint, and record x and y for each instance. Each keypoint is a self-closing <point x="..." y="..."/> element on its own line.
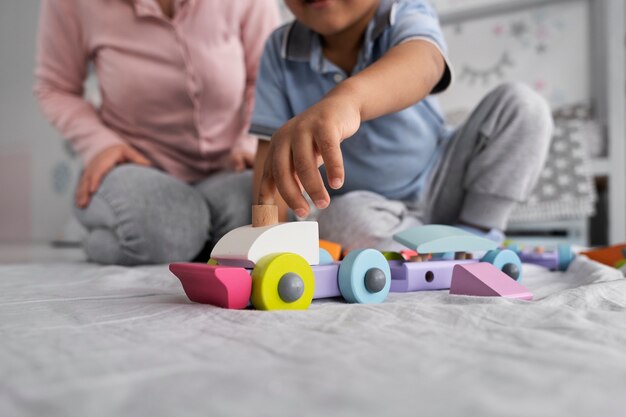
<point x="558" y="259"/>
<point x="284" y="266"/>
<point x="277" y="266"/>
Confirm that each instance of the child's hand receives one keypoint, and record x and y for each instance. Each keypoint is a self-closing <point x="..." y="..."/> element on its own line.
<point x="301" y="146"/>
<point x="241" y="160"/>
<point x="100" y="165"/>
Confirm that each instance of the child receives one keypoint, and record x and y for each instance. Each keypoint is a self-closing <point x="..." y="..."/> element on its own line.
<point x="166" y="153"/>
<point x="348" y="85"/>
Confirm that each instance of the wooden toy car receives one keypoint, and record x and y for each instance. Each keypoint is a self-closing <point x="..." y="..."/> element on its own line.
<point x="430" y="270"/>
<point x="277" y="267"/>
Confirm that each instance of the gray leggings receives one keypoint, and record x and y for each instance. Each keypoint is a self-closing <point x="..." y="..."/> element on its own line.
<point x="491" y="163"/>
<point x="141" y="215"/>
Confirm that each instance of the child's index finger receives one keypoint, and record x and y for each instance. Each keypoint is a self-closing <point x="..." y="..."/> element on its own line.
<point x="267" y="188"/>
<point x="333" y="162"/>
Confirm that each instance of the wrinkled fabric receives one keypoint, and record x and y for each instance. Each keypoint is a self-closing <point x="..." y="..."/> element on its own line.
<point x="78" y="339"/>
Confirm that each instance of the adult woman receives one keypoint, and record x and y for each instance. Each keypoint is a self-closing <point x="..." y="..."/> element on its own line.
<point x="166" y="153"/>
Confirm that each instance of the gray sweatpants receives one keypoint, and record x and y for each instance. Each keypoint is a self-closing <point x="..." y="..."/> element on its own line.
<point x="141" y="215"/>
<point x="491" y="163"/>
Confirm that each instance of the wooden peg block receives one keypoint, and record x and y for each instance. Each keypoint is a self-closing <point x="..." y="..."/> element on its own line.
<point x="264" y="215"/>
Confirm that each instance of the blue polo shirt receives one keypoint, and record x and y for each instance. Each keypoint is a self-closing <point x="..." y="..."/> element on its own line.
<point x="391" y="155"/>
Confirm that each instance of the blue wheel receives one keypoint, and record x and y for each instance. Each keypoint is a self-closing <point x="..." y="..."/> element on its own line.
<point x="325" y="257"/>
<point x="364" y="277"/>
<point x="505" y="260"/>
<point x="565" y="256"/>
<point x="514" y="247"/>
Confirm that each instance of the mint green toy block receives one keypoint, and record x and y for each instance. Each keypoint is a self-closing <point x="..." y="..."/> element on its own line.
<point x="437" y="238"/>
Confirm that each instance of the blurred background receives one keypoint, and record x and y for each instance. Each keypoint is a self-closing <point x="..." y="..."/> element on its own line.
<point x="570" y="51"/>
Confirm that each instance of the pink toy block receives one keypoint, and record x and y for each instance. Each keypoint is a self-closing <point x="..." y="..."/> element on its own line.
<point x="484" y="279"/>
<point x="222" y="286"/>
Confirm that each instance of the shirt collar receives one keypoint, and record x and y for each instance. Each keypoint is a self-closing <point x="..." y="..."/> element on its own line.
<point x="299" y="40"/>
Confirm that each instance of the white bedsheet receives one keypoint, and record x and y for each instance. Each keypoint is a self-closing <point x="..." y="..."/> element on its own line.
<point x="82" y="340"/>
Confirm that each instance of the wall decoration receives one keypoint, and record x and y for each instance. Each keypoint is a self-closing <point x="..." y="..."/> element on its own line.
<point x="485" y="76"/>
<point x="545" y="47"/>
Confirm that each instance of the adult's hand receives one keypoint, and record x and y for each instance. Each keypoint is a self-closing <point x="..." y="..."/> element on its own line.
<point x="241" y="160"/>
<point x="100" y="165"/>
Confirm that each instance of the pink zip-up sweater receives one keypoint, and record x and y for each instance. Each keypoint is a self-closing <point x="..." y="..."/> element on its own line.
<point x="178" y="90"/>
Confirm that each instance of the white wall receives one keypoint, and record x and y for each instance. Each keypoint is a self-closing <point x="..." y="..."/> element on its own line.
<point x="36" y="172"/>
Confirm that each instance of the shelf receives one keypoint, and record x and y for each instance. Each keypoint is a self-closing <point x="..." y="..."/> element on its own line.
<point x="600" y="167"/>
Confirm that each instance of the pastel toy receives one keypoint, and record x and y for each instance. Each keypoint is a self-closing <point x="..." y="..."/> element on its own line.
<point x="334" y="249"/>
<point x="325" y="257"/>
<point x="213" y="284"/>
<point x="422" y="276"/>
<point x="505" y="260"/>
<point x="363" y="277"/>
<point x="281" y="267"/>
<point x="486" y="280"/>
<point x="426" y="271"/>
<point x="557" y="259"/>
<point x="245" y="245"/>
<point x="283" y="281"/>
<point x="436" y="238"/>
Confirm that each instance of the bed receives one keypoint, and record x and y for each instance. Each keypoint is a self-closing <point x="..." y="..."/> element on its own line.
<point x="79" y="339"/>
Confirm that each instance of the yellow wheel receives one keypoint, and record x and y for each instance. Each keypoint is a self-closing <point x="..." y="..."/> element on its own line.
<point x="282" y="281"/>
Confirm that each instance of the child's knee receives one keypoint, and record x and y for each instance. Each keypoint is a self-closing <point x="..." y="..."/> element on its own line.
<point x="529" y="110"/>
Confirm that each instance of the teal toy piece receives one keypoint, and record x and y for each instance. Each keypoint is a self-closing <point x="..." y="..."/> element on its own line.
<point x="353" y="276"/>
<point x="325" y="257"/>
<point x="436" y="238"/>
<point x="505" y="260"/>
<point x="514" y="247"/>
<point x="565" y="256"/>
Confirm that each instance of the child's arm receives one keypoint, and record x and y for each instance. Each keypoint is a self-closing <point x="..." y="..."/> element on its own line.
<point x="402" y="77"/>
